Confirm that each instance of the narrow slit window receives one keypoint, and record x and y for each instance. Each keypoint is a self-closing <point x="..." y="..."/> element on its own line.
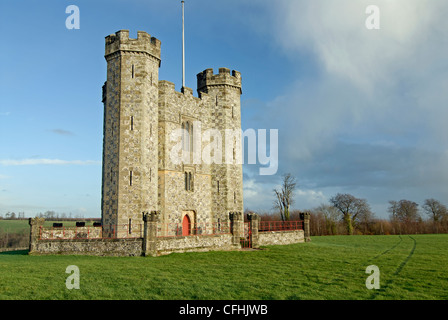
<point x="191" y="143"/>
<point x="132" y="123"/>
<point x="187" y="137"/>
<point x="133" y="71"/>
<point x="130" y="178"/>
<point x="218" y="186"/>
<point x="130" y="226"/>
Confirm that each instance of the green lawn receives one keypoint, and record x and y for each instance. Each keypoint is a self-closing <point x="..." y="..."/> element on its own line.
<point x="333" y="267"/>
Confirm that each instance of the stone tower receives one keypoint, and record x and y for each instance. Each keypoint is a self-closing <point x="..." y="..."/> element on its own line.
<point x="130" y="145"/>
<point x="140" y="115"/>
<point x="224" y="91"/>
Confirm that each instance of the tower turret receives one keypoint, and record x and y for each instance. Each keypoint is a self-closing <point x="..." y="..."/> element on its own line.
<point x="224" y="91"/>
<point x="130" y="146"/>
<point x="207" y="81"/>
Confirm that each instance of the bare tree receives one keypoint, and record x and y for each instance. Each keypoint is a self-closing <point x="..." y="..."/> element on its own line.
<point x="351" y="208"/>
<point x="435" y="209"/>
<point x="404" y="210"/>
<point x="284" y="196"/>
<point x="331" y="215"/>
<point x="405" y="215"/>
<point x="393" y="209"/>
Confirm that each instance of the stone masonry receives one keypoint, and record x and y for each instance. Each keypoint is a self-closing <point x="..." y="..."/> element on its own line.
<point x="140" y="114"/>
<point x="152" y="243"/>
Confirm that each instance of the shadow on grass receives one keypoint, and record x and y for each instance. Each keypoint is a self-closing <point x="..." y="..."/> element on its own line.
<point x="14" y="253"/>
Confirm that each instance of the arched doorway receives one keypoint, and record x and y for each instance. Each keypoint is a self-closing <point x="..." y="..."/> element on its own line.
<point x="186" y="225"/>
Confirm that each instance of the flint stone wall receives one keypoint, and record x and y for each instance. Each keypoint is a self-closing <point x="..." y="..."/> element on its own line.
<point x="166" y="245"/>
<point x="96" y="247"/>
<point x="280" y="237"/>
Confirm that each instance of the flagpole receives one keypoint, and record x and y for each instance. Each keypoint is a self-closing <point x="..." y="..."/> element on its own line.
<point x="183" y="47"/>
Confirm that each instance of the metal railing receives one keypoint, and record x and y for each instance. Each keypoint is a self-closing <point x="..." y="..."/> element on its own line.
<point x="123" y="231"/>
<point x="265" y="226"/>
<point x="193" y="229"/>
<point x="119" y="231"/>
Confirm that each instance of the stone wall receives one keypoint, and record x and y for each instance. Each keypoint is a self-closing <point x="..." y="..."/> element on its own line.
<point x="153" y="244"/>
<point x="94" y="247"/>
<point x="280" y="237"/>
<point x="166" y="245"/>
<point x="133" y="247"/>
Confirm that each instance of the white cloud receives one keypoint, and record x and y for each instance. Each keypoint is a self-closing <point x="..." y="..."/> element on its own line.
<point x="335" y="32"/>
<point x="252" y="189"/>
<point x="388" y="82"/>
<point x="26" y="162"/>
<point x="369" y="115"/>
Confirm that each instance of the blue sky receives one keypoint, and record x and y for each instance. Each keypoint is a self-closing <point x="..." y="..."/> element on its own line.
<point x="358" y="111"/>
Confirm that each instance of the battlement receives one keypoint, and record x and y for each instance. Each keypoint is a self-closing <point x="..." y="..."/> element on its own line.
<point x="224" y="78"/>
<point x="144" y="43"/>
<point x="168" y="88"/>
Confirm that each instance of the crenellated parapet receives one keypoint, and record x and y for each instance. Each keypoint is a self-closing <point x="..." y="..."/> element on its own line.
<point x="206" y="79"/>
<point x="144" y="44"/>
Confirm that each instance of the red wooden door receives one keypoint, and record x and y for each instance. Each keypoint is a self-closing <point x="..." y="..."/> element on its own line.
<point x="186" y="226"/>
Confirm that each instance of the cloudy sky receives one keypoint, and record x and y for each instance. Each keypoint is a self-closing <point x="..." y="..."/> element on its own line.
<point x="358" y="111"/>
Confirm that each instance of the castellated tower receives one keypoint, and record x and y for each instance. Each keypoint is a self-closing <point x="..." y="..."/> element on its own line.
<point x="224" y="91"/>
<point x="141" y="113"/>
<point x="130" y="128"/>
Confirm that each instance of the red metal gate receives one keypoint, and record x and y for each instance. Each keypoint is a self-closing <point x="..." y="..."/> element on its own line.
<point x="246" y="240"/>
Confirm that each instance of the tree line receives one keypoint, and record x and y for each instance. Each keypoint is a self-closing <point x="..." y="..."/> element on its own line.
<point x="50" y="214"/>
<point x="347" y="214"/>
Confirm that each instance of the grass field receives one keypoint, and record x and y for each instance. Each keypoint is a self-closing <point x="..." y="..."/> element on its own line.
<point x="333" y="267"/>
<point x="14" y="226"/>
